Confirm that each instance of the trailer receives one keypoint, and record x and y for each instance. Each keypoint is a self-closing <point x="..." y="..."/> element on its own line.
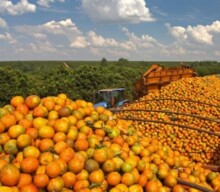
<point x="157" y="77"/>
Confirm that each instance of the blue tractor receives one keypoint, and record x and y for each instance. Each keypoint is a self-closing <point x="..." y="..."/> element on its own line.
<point x="110" y="98"/>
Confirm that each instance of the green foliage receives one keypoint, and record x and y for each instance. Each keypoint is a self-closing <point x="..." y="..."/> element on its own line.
<point x="103" y="61"/>
<point x="81" y="79"/>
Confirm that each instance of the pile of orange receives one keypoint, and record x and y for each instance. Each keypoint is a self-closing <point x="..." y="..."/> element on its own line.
<point x="55" y="144"/>
<point x="195" y="103"/>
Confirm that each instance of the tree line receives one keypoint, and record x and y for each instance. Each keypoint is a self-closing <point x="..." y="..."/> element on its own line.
<point x="79" y="80"/>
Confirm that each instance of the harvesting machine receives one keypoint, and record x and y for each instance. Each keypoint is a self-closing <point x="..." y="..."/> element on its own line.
<point x="157" y="77"/>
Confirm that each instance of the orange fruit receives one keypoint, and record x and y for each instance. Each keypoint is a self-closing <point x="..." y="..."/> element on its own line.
<point x="29" y="164"/>
<point x="170" y="180"/>
<point x="67" y="154"/>
<point x="46" y="132"/>
<point x="40" y="111"/>
<point x="108" y="166"/>
<point x="55" y="184"/>
<point x="96" y="176"/>
<point x="53" y="169"/>
<point x="26" y="123"/>
<point x="32" y="101"/>
<point x="9" y="175"/>
<point x="16" y="100"/>
<point x="22" y="108"/>
<point x="45" y="158"/>
<point x="63" y="165"/>
<point x="152" y="186"/>
<point x="128" y="179"/>
<point x="23" y="141"/>
<point x="32" y="132"/>
<point x="75" y="165"/>
<point x="41" y="180"/>
<point x="31" y="151"/>
<point x="29" y="187"/>
<point x="113" y="178"/>
<point x="53" y="115"/>
<point x="69" y="179"/>
<point x="15" y="130"/>
<point x="49" y="103"/>
<point x="64" y="111"/>
<point x="39" y="122"/>
<point x="59" y="136"/>
<point x="91" y="165"/>
<point x="8" y="120"/>
<point x="46" y="145"/>
<point x="10" y="147"/>
<point x="81" y="145"/>
<point x="100" y="155"/>
<point x="25" y="179"/>
<point x="61" y="125"/>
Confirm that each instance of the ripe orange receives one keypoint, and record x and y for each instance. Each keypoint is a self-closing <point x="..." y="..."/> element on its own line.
<point x="23" y="141"/>
<point x="61" y="125"/>
<point x="152" y="186"/>
<point x="48" y="103"/>
<point x="59" y="136"/>
<point x="25" y="179"/>
<point x="128" y="179"/>
<point x="170" y="180"/>
<point x="81" y="184"/>
<point x="53" y="115"/>
<point x="55" y="184"/>
<point x="63" y="165"/>
<point x="81" y="145"/>
<point x="22" y="108"/>
<point x="41" y="180"/>
<point x="69" y="179"/>
<point x="32" y="101"/>
<point x="32" y="132"/>
<point x="113" y="178"/>
<point x="39" y="122"/>
<point x="67" y="154"/>
<point x="15" y="130"/>
<point x="96" y="176"/>
<point x="16" y="100"/>
<point x="46" y="132"/>
<point x="8" y="120"/>
<point x="29" y="164"/>
<point x="9" y="175"/>
<point x="53" y="169"/>
<point x="100" y="155"/>
<point x="108" y="166"/>
<point x="30" y="187"/>
<point x="26" y="123"/>
<point x="75" y="165"/>
<point x="45" y="158"/>
<point x="40" y="111"/>
<point x="31" y="151"/>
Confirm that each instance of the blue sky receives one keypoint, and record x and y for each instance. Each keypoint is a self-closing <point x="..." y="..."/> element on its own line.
<point x="152" y="30"/>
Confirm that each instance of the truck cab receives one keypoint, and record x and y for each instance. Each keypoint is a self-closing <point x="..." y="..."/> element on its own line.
<point x="110" y="98"/>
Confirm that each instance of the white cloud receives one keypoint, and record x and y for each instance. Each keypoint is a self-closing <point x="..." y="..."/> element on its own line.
<point x="46" y="3"/>
<point x="134" y="11"/>
<point x="3" y="23"/>
<point x="7" y="37"/>
<point x="60" y="27"/>
<point x="23" y="6"/>
<point x="99" y="41"/>
<point x="42" y="47"/>
<point x="202" y="34"/>
<point x="79" y="42"/>
<point x="39" y="36"/>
